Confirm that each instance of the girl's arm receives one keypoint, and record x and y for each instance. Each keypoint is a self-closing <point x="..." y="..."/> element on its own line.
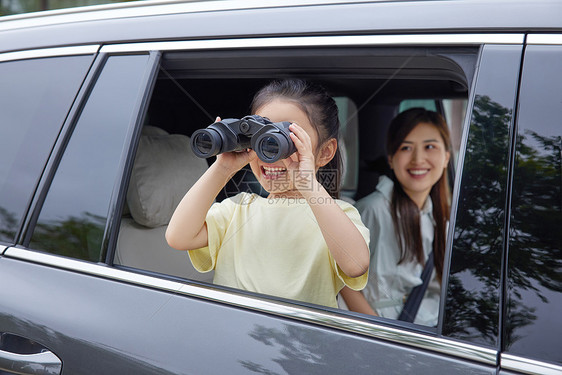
<point x="187" y="229"/>
<point x="355" y="301"/>
<point x="345" y="242"/>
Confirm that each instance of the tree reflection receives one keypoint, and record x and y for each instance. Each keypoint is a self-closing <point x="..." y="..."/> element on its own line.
<point x="535" y="253"/>
<point x="535" y="232"/>
<point x="76" y="237"/>
<point x="8" y="225"/>
<point x="473" y="292"/>
<point x="303" y="351"/>
<point x="472" y="306"/>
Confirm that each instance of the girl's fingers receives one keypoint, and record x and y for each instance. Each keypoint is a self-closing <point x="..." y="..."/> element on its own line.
<point x="300" y="138"/>
<point x="301" y="134"/>
<point x="298" y="143"/>
<point x="304" y="152"/>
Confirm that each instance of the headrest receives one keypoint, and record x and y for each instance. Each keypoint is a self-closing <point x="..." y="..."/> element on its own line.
<point x="164" y="170"/>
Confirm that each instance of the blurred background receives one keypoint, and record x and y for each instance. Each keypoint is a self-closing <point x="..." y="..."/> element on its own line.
<point x="8" y="7"/>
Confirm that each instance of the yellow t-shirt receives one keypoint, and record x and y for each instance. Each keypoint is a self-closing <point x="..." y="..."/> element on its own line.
<point x="275" y="247"/>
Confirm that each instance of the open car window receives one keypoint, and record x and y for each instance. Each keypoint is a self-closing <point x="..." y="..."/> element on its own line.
<point x="370" y="85"/>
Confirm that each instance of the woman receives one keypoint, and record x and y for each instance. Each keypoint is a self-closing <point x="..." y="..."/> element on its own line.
<point x="407" y="216"/>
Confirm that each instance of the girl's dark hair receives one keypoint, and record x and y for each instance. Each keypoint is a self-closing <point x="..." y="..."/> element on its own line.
<point x="322" y="112"/>
<point x="405" y="213"/>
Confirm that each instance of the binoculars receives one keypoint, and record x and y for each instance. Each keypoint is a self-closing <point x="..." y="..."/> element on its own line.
<point x="270" y="140"/>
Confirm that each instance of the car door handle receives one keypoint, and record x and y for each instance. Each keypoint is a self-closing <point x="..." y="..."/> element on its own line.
<point x="30" y="364"/>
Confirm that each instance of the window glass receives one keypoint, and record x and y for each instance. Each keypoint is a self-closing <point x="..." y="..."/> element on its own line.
<point x="348" y="144"/>
<point x="455" y="111"/>
<point x="74" y="214"/>
<point x="428" y="104"/>
<point x="35" y="97"/>
<point x="533" y="326"/>
<point x="472" y="296"/>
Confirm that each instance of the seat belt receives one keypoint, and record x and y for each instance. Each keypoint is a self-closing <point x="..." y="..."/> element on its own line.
<point x="413" y="302"/>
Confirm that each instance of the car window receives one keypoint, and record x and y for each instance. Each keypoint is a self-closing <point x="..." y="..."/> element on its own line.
<point x="472" y="307"/>
<point x="73" y="217"/>
<point x="35" y="97"/>
<point x="194" y="87"/>
<point x="532" y="327"/>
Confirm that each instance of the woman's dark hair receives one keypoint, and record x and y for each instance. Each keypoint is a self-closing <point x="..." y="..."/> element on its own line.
<point x="322" y="112"/>
<point x="405" y="213"/>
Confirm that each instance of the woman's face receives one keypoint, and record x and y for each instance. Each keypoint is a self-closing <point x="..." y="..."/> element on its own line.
<point x="274" y="177"/>
<point x="420" y="161"/>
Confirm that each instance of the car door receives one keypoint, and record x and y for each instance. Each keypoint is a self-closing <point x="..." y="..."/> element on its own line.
<point x="69" y="297"/>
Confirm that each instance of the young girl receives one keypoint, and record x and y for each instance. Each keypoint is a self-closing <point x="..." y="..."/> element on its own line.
<point x="300" y="242"/>
<point x="407" y="216"/>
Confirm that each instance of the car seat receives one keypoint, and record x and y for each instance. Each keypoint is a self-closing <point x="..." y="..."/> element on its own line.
<point x="164" y="169"/>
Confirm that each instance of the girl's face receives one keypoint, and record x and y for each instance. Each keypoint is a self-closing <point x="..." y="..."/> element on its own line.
<point x="420" y="161"/>
<point x="274" y="177"/>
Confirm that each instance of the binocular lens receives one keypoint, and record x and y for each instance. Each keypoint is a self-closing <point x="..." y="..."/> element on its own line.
<point x="271" y="141"/>
<point x="203" y="142"/>
<point x="269" y="147"/>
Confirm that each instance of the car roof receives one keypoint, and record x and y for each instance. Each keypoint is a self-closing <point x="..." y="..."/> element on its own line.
<point x="167" y="19"/>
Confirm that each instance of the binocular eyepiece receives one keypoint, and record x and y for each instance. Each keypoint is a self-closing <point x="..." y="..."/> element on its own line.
<point x="270" y="140"/>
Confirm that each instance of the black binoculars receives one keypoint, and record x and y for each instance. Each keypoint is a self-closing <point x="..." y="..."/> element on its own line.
<point x="270" y="140"/>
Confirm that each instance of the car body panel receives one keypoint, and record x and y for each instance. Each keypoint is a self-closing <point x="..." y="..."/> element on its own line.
<point x="168" y="332"/>
<point x="200" y="20"/>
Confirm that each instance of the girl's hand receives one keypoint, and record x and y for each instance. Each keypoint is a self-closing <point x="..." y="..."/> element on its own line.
<point x="301" y="164"/>
<point x="232" y="162"/>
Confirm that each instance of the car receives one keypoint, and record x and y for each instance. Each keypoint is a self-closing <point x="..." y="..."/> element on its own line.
<point x="97" y="106"/>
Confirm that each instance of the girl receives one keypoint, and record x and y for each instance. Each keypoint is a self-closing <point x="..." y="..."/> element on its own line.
<point x="300" y="242"/>
<point x="407" y="216"/>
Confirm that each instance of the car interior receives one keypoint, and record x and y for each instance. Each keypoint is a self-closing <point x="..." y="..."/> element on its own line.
<point x="370" y="85"/>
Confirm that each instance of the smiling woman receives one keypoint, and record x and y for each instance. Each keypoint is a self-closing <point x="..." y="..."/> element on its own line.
<point x="407" y="218"/>
<point x="421" y="158"/>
